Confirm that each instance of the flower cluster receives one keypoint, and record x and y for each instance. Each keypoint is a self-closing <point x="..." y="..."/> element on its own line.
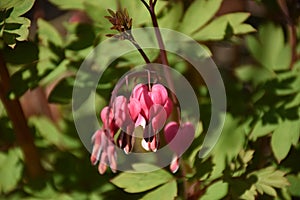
<point x="148" y="106"/>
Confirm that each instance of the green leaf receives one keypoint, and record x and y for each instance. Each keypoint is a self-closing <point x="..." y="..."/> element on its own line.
<point x="260" y="129"/>
<point x="69" y="4"/>
<point x="140" y="182"/>
<point x="167" y="191"/>
<point x="254" y="74"/>
<point x="96" y="11"/>
<point x="62" y="92"/>
<point x="269" y="48"/>
<point x="10" y="170"/>
<point x="217" y="190"/>
<point x="20" y="7"/>
<point x="198" y="14"/>
<point x="283" y="137"/>
<point x="52" y="134"/>
<point x="48" y="34"/>
<point x="268" y="179"/>
<point x="84" y="36"/>
<point x="216" y="30"/>
<point x="232" y="131"/>
<point x="16" y="28"/>
<point x="295" y="185"/>
<point x="174" y="14"/>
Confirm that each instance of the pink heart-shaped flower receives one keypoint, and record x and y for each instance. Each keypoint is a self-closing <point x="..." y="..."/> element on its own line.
<point x="179" y="138"/>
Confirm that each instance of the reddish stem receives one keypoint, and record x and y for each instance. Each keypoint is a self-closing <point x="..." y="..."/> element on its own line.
<point x="24" y="137"/>
<point x="163" y="55"/>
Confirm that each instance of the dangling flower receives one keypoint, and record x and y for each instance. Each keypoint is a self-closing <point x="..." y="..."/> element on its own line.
<point x="156" y="107"/>
<point x="178" y="139"/>
<point x="103" y="152"/>
<point x="149" y="107"/>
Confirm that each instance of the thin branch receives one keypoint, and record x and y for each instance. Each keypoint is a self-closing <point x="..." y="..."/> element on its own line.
<point x="163" y="54"/>
<point x="293" y="43"/>
<point x="23" y="135"/>
<point x="134" y="42"/>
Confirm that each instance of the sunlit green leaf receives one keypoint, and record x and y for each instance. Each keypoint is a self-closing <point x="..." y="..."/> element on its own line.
<point x="140" y="182"/>
<point x="217" y="190"/>
<point x="167" y="191"/>
<point x="216" y="30"/>
<point x="260" y="129"/>
<point x="48" y="34"/>
<point x="68" y="4"/>
<point x="229" y="144"/>
<point x="199" y="12"/>
<point x="10" y="170"/>
<point x="268" y="179"/>
<point x="269" y="49"/>
<point x="283" y="137"/>
<point x="172" y="15"/>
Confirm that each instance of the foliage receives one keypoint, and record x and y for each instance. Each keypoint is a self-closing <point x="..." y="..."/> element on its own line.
<point x="257" y="155"/>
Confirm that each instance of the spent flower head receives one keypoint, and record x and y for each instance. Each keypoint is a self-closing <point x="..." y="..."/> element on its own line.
<point x="120" y="21"/>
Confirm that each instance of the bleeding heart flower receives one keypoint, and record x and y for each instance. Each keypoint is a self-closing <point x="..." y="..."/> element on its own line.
<point x="178" y="139"/>
<point x="148" y="107"/>
<point x="103" y="152"/>
<point x="122" y="115"/>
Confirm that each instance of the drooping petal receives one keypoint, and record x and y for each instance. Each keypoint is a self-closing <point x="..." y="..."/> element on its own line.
<point x="128" y="147"/>
<point x="170" y="131"/>
<point x="168" y="106"/>
<point x="134" y="108"/>
<point x="138" y="90"/>
<point x="157" y="117"/>
<point x="154" y="144"/>
<point x="102" y="167"/>
<point x="179" y="140"/>
<point x="174" y="165"/>
<point x="158" y="94"/>
<point x="121" y="114"/>
<point x="112" y="157"/>
<point x="96" y="152"/>
<point x="145" y="145"/>
<point x="146" y="103"/>
<point x="106" y="116"/>
<point x="140" y="121"/>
